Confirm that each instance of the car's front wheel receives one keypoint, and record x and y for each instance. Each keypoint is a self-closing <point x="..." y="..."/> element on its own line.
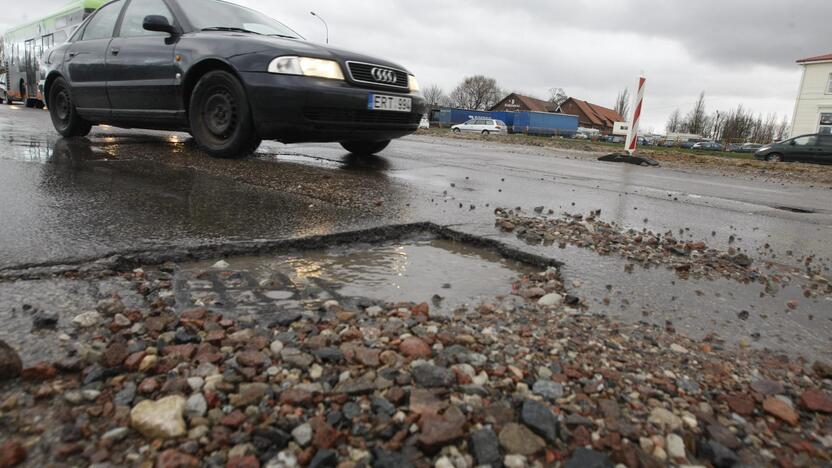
<point x="486" y="132"/>
<point x="62" y="110"/>
<point x="220" y="117"/>
<point x="456" y="130"/>
<point x="774" y="157"/>
<point x="365" y="148"/>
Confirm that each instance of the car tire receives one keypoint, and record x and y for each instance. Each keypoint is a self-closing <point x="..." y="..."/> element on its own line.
<point x="774" y="157"/>
<point x="62" y="110"/>
<point x="456" y="130"/>
<point x="365" y="148"/>
<point x="486" y="132"/>
<point x="220" y="117"/>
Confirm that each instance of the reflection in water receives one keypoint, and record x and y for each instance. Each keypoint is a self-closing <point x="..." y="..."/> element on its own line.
<point x="413" y="271"/>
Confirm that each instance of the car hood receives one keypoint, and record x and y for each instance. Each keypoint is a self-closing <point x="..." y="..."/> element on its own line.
<point x="278" y="46"/>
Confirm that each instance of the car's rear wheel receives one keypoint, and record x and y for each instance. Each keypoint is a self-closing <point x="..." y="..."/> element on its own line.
<point x="365" y="148"/>
<point x="220" y="117"/>
<point x="774" y="157"/>
<point x="486" y="132"/>
<point x="62" y="110"/>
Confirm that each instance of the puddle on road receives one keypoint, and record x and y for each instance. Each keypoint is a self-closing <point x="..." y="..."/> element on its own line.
<point x="405" y="271"/>
<point x="414" y="271"/>
<point x="734" y="311"/>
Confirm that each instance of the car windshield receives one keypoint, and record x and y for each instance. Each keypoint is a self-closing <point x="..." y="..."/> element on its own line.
<point x="222" y="16"/>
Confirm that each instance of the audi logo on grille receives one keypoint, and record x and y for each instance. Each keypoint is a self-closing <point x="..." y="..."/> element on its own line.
<point x="384" y="76"/>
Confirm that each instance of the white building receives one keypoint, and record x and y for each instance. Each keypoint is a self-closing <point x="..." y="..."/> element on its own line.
<point x="813" y="110"/>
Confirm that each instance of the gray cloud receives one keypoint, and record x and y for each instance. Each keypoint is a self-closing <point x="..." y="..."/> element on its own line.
<point x="738" y="51"/>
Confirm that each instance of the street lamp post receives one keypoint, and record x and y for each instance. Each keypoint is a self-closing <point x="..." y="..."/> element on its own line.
<point x="325" y="25"/>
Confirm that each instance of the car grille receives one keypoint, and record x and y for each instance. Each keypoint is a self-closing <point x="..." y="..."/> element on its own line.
<point x="362" y="117"/>
<point x="363" y="73"/>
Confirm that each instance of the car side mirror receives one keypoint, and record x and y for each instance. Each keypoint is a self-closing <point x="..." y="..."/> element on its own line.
<point x="159" y="23"/>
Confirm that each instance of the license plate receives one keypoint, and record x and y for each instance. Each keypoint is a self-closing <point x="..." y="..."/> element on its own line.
<point x="385" y="102"/>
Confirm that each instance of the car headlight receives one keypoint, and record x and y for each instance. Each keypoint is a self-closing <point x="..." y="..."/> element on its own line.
<point x="413" y="84"/>
<point x="307" y="66"/>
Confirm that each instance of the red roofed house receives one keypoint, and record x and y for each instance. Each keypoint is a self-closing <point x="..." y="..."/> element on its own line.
<point x="518" y="103"/>
<point x="813" y="109"/>
<point x="591" y="115"/>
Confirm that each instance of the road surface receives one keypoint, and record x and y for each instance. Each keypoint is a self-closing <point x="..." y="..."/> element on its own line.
<point x="64" y="200"/>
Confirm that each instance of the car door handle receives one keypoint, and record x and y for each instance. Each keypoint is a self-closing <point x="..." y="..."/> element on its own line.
<point x="114" y="51"/>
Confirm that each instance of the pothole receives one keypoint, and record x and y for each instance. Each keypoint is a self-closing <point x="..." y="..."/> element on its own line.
<point x="445" y="273"/>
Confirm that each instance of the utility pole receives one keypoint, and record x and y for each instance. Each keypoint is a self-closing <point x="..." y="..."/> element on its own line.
<point x="324" y="22"/>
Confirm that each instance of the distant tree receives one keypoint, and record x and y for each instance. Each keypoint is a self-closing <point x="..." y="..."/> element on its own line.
<point x="622" y="103"/>
<point x="476" y="93"/>
<point x="782" y="131"/>
<point x="435" y="96"/>
<point x="697" y="120"/>
<point x="674" y="122"/>
<point x="2" y="56"/>
<point x="557" y="96"/>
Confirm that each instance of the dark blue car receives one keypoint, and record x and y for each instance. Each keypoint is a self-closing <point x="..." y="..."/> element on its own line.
<point x="230" y="76"/>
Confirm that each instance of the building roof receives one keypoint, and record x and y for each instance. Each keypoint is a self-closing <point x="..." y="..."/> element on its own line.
<point x="597" y="115"/>
<point x="534" y="104"/>
<point x="819" y="58"/>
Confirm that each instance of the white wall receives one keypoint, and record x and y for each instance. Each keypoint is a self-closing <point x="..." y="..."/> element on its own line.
<point x="812" y="99"/>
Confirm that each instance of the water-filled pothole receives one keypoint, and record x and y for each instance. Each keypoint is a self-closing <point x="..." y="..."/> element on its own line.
<point x="445" y="273"/>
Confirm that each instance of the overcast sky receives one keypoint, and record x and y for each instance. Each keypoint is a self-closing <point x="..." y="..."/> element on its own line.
<point x="737" y="51"/>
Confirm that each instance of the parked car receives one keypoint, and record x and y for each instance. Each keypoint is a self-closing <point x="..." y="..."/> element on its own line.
<point x="805" y="148"/>
<point x="229" y="75"/>
<point x="747" y="148"/>
<point x="689" y="144"/>
<point x="4" y="95"/>
<point x="709" y="146"/>
<point x="481" y="125"/>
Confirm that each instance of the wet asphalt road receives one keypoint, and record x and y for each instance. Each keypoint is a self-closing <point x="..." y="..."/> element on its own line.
<point x="124" y="189"/>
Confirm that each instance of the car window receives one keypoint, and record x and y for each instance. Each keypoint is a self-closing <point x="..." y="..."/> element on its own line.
<point x="101" y="25"/>
<point x="133" y="23"/>
<point x="805" y="140"/>
<point x="501" y="123"/>
<point x="207" y="14"/>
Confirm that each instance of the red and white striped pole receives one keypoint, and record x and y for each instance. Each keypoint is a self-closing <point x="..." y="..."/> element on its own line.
<point x="632" y="133"/>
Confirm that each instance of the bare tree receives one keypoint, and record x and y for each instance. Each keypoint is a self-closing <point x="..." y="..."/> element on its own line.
<point x="435" y="96"/>
<point x="674" y="122"/>
<point x="557" y="96"/>
<point x="622" y="103"/>
<point x="782" y="131"/>
<point x="697" y="120"/>
<point x="2" y="56"/>
<point x="476" y="93"/>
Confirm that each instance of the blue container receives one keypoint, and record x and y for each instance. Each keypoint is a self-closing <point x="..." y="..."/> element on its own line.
<point x="449" y="117"/>
<point x="545" y="123"/>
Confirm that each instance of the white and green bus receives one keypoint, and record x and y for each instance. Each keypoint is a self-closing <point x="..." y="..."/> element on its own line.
<point x="24" y="46"/>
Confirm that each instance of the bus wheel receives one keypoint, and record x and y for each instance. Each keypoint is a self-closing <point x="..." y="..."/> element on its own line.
<point x="65" y="117"/>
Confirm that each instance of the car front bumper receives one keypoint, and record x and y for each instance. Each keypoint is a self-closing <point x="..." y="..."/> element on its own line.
<point x="295" y="109"/>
